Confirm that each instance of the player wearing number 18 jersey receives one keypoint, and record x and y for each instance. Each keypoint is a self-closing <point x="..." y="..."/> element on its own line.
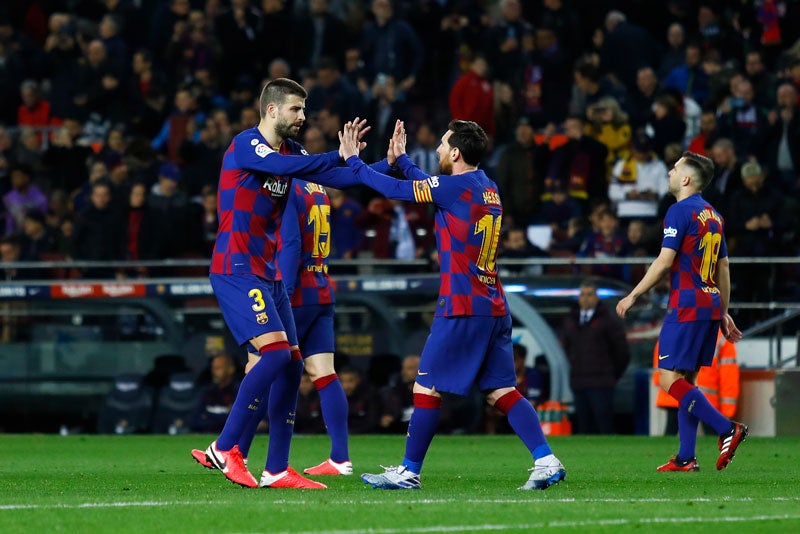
<point x="694" y="253"/>
<point x="470" y="339"/>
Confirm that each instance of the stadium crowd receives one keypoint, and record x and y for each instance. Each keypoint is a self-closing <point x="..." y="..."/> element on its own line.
<point x="115" y="114"/>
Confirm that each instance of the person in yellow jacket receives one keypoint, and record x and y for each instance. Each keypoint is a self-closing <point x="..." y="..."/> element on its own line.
<point x="719" y="383"/>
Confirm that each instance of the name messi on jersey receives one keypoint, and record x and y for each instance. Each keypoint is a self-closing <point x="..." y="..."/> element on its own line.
<point x="276" y="186"/>
<point x="491" y="197"/>
<point x="707" y="215"/>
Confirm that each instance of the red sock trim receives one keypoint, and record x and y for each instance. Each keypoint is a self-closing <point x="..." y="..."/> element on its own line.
<point x="296" y="355"/>
<point x="507" y="401"/>
<point x="278" y="345"/>
<point x="679" y="388"/>
<point x="422" y="400"/>
<point x="320" y="383"/>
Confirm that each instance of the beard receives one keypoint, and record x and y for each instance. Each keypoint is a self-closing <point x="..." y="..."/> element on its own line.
<point x="445" y="166"/>
<point x="286" y="129"/>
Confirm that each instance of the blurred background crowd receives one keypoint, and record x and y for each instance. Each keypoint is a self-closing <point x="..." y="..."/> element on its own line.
<point x="114" y="115"/>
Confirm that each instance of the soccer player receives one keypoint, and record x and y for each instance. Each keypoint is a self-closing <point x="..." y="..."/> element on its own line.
<point x="255" y="180"/>
<point x="470" y="339"/>
<point x="694" y="252"/>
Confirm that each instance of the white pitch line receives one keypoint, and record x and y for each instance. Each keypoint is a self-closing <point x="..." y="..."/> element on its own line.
<point x="556" y="524"/>
<point x="293" y="502"/>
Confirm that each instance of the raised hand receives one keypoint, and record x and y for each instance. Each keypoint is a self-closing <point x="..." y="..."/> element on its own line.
<point x="349" y="140"/>
<point x="399" y="139"/>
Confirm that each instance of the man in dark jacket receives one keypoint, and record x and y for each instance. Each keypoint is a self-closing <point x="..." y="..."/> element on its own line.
<point x="595" y="344"/>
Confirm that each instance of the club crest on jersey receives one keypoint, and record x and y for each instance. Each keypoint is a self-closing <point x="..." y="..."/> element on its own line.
<point x="261" y="318"/>
<point x="275" y="186"/>
<point x="262" y="150"/>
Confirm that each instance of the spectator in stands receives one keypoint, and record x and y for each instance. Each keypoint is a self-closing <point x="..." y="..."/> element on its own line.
<point x="362" y="401"/>
<point x="347" y="236"/>
<point x="37" y="237"/>
<point x="626" y="48"/>
<point x="397" y="398"/>
<point x="402" y="231"/>
<point x="385" y="106"/>
<point x="607" y="123"/>
<point x="391" y="48"/>
<point x="702" y="142"/>
<point x="515" y="245"/>
<point x="666" y="124"/>
<point x="10" y="252"/>
<point x="674" y="53"/>
<point x="690" y="78"/>
<point x="520" y="175"/>
<point x="217" y="398"/>
<point x="28" y="151"/>
<point x="174" y="130"/>
<point x="547" y="79"/>
<point x="640" y="99"/>
<point x="579" y="165"/>
<point x="506" y="42"/>
<point x="6" y="159"/>
<point x="169" y="207"/>
<point x="141" y="228"/>
<point x="65" y="162"/>
<point x="606" y="242"/>
<point x="99" y="231"/>
<point x="764" y="82"/>
<point x="423" y="153"/>
<point x="23" y="197"/>
<point x="472" y="96"/>
<point x="34" y="110"/>
<point x="639" y="181"/>
<point x="565" y="22"/>
<point x="590" y="87"/>
<point x="145" y="89"/>
<point x="323" y="35"/>
<point x="742" y="121"/>
<point x="100" y="84"/>
<point x="755" y="220"/>
<point x="782" y="140"/>
<point x="333" y="91"/>
<point x="727" y="175"/>
<point x="193" y="49"/>
<point x="557" y="211"/>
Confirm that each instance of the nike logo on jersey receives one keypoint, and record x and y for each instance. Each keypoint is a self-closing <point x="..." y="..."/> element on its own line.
<point x="420" y="373"/>
<point x="663" y="356"/>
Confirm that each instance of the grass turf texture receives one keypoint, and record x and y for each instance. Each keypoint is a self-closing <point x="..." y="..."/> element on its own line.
<point x="150" y="483"/>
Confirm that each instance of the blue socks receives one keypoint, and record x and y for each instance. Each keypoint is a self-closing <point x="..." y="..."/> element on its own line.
<point x="697" y="404"/>
<point x="334" y="413"/>
<point x="687" y="433"/>
<point x="525" y="422"/>
<point x="282" y="407"/>
<point x="421" y="429"/>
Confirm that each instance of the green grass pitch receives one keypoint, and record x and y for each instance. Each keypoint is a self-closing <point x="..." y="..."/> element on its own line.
<point x="141" y="484"/>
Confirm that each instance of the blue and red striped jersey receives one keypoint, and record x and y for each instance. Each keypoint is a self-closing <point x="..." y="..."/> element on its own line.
<point x="694" y="229"/>
<point x="468" y="219"/>
<point x="253" y="187"/>
<point x="304" y="245"/>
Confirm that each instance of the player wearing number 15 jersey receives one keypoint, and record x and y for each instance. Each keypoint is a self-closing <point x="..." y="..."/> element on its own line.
<point x="694" y="253"/>
<point x="470" y="339"/>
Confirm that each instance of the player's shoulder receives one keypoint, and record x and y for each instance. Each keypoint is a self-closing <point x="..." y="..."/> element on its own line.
<point x="252" y="139"/>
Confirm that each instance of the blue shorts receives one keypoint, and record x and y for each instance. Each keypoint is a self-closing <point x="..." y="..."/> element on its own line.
<point x="253" y="306"/>
<point x="687" y="346"/>
<point x="462" y="351"/>
<point x="314" y="325"/>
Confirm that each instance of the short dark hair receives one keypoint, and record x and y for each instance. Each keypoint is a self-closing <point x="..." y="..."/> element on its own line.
<point x="470" y="139"/>
<point x="276" y="91"/>
<point x="702" y="166"/>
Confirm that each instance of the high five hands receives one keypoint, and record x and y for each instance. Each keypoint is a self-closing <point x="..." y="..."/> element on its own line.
<point x="350" y="143"/>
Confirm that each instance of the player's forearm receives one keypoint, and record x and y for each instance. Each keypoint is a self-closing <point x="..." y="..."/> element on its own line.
<point x="657" y="269"/>
<point x="282" y="164"/>
<point x="385" y="185"/>
<point x="339" y="178"/>
<point x="410" y="169"/>
<point x="724" y="283"/>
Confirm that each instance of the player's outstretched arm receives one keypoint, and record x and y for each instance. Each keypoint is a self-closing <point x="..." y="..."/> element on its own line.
<point x="657" y="269"/>
<point x="261" y="158"/>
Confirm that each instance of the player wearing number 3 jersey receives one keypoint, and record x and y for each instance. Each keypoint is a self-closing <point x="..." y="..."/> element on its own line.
<point x="694" y="253"/>
<point x="470" y="339"/>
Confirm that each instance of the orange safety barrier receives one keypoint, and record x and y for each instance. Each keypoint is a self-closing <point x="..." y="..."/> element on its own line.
<point x="554" y="419"/>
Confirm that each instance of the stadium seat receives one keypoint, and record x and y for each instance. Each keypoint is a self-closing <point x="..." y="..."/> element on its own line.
<point x="176" y="401"/>
<point x="127" y="407"/>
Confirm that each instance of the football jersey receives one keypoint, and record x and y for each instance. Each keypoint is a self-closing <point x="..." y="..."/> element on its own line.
<point x="304" y="245"/>
<point x="467" y="221"/>
<point x="695" y="230"/>
<point x="253" y="187"/>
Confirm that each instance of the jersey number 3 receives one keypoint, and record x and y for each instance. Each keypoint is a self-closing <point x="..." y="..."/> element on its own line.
<point x="489" y="226"/>
<point x="709" y="244"/>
